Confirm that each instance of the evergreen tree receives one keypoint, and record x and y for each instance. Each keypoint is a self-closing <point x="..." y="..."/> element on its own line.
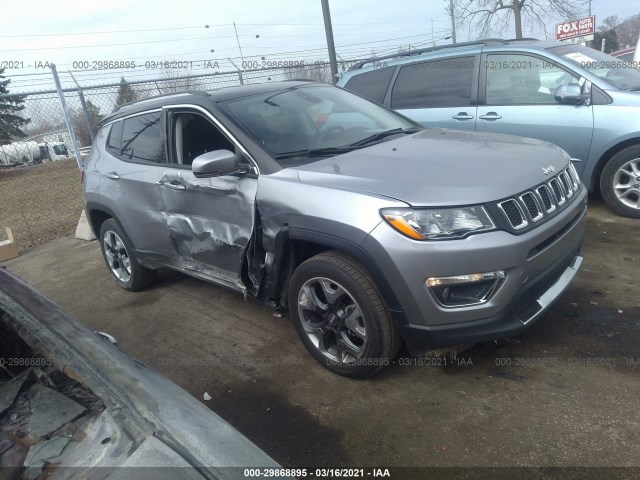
<point x="126" y="94"/>
<point x="10" y="123"/>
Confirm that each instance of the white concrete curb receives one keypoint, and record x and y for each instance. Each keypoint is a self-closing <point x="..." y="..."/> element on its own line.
<point x="83" y="230"/>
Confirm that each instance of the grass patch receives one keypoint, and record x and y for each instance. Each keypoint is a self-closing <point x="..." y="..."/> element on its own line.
<point x="41" y="202"/>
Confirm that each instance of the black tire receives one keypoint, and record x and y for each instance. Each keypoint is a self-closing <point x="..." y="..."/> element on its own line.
<point x="608" y="178"/>
<point x="360" y="293"/>
<point x="138" y="276"/>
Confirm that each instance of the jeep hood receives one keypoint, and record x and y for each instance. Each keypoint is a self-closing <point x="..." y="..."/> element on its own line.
<point x="440" y="167"/>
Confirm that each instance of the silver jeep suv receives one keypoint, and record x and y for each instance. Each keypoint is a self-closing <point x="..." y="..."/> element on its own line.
<point x="371" y="231"/>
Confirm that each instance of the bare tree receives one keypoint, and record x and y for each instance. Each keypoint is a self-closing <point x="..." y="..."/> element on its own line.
<point x="173" y="80"/>
<point x="609" y="23"/>
<point x="497" y="16"/>
<point x="628" y="31"/>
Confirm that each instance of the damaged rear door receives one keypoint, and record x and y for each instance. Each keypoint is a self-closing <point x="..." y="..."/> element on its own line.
<point x="210" y="220"/>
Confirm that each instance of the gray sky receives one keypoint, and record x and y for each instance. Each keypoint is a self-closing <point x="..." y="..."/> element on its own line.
<point x="34" y="32"/>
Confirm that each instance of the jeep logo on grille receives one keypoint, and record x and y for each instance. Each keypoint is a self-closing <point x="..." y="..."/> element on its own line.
<point x="549" y="169"/>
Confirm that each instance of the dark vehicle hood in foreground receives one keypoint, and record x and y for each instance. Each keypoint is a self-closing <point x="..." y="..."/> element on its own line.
<point x="440" y="167"/>
<point x="148" y="421"/>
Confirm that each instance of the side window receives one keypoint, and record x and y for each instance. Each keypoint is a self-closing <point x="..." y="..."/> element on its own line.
<point x="523" y="80"/>
<point x="114" y="141"/>
<point x="372" y="85"/>
<point x="439" y="83"/>
<point x="142" y="139"/>
<point x="194" y="135"/>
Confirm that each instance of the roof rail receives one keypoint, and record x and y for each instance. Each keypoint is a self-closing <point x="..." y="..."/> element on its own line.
<point x="524" y="39"/>
<point x="161" y="95"/>
<point x="409" y="53"/>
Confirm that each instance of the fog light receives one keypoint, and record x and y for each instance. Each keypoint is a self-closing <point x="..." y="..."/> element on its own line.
<point x="465" y="290"/>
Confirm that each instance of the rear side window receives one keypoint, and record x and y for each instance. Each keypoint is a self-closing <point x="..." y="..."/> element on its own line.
<point x="372" y="85"/>
<point x="438" y="83"/>
<point x="114" y="142"/>
<point x="138" y="138"/>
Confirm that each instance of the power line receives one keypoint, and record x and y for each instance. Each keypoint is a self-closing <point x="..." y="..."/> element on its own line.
<point x="90" y="75"/>
<point x="108" y="44"/>
<point x="63" y="34"/>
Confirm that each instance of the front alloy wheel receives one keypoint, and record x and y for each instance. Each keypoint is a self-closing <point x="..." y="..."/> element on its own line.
<point x="620" y="182"/>
<point x="332" y="320"/>
<point x="626" y="183"/>
<point x="340" y="316"/>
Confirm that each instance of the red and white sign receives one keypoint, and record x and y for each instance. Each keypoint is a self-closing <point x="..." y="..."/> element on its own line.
<point x="576" y="28"/>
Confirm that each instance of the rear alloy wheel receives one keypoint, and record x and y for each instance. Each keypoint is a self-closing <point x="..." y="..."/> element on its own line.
<point x="620" y="182"/>
<point x="119" y="257"/>
<point x="340" y="316"/>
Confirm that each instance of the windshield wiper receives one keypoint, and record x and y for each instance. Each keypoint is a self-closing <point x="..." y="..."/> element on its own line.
<point x="380" y="135"/>
<point x="315" y="152"/>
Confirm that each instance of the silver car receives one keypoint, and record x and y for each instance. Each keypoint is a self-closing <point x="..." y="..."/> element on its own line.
<point x="583" y="100"/>
<point x="371" y="231"/>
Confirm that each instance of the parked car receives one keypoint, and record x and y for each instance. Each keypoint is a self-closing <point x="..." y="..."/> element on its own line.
<point x="585" y="101"/>
<point x="308" y="197"/>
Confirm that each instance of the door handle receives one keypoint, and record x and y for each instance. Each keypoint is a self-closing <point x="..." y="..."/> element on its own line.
<point x="463" y="116"/>
<point x="173" y="185"/>
<point x="112" y="175"/>
<point x="491" y="116"/>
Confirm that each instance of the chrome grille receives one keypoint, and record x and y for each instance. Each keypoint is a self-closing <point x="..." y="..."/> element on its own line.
<point x="545" y="195"/>
<point x="530" y="201"/>
<point x="514" y="213"/>
<point x="557" y="191"/>
<point x="566" y="184"/>
<point x="544" y="200"/>
<point x="573" y="173"/>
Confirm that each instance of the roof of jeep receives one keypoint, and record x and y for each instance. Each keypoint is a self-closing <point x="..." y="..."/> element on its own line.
<point x="200" y="96"/>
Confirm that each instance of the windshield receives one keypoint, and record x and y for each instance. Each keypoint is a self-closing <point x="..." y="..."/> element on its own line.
<point x="617" y="72"/>
<point x="60" y="149"/>
<point x="301" y="123"/>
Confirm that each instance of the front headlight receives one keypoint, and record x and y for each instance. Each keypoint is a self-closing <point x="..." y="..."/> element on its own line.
<point x="438" y="223"/>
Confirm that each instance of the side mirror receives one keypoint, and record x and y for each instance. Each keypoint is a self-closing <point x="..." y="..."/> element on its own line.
<point x="571" y="94"/>
<point x="215" y="164"/>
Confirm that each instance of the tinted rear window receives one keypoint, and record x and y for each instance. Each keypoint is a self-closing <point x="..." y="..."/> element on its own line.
<point x="138" y="138"/>
<point x="372" y="85"/>
<point x="439" y="83"/>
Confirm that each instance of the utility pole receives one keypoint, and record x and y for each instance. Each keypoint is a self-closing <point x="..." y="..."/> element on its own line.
<point x="328" y="29"/>
<point x="590" y="42"/>
<point x="453" y="21"/>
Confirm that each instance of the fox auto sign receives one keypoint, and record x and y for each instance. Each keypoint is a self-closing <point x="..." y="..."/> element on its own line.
<point x="576" y="28"/>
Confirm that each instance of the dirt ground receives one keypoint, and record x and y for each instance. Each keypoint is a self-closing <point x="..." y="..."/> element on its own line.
<point x="563" y="394"/>
<point x="41" y="202"/>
